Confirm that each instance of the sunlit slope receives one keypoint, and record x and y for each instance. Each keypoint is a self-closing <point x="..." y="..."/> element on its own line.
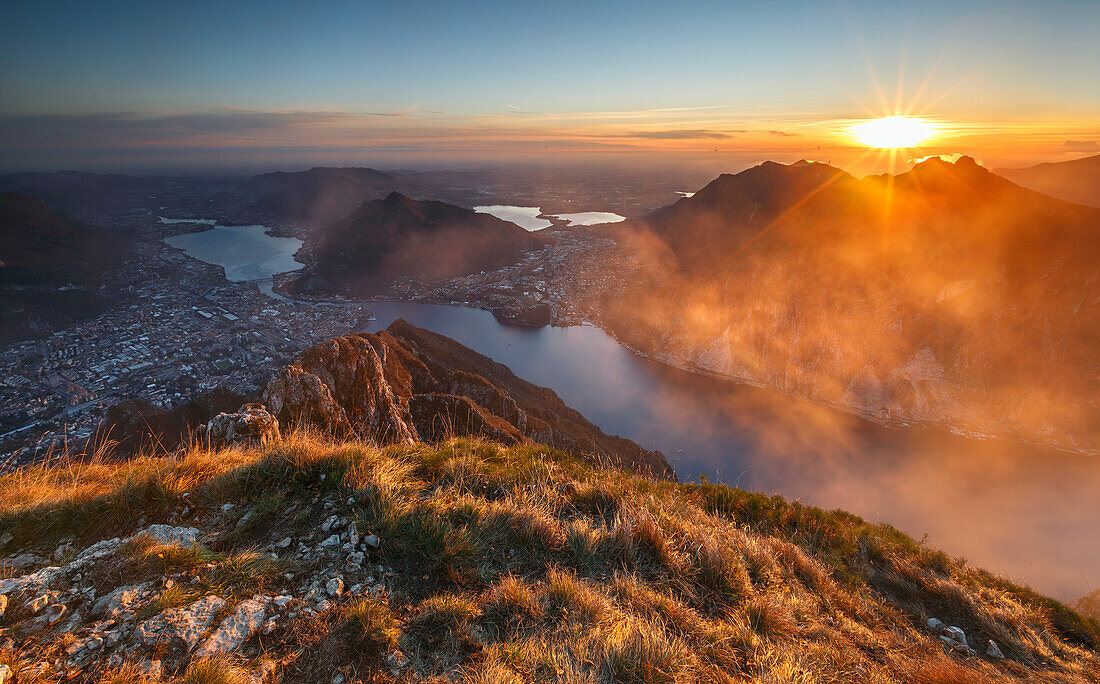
<point x="475" y="562"/>
<point x="946" y="294"/>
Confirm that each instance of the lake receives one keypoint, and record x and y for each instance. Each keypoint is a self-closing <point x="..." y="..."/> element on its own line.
<point x="247" y="253"/>
<point x="528" y="217"/>
<point x="1022" y="511"/>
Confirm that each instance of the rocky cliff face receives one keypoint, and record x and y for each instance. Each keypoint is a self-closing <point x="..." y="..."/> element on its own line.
<point x="407" y="384"/>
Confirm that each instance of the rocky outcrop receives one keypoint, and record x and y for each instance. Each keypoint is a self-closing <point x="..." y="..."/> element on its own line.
<point x="407" y="384"/>
<point x="251" y="425"/>
<point x="339" y="387"/>
<point x="180" y="627"/>
<point x="245" y="621"/>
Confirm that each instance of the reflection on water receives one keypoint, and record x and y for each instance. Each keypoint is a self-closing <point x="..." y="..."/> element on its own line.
<point x="528" y="217"/>
<point x="590" y="218"/>
<point x="524" y="217"/>
<point x="246" y="252"/>
<point x="1025" y="512"/>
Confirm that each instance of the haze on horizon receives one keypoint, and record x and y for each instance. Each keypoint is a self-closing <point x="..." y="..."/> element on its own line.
<point x="128" y="85"/>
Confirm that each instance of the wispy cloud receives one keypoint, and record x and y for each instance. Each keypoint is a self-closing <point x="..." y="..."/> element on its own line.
<point x="684" y="134"/>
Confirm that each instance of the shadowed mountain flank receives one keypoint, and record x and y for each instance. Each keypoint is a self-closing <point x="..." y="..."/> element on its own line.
<point x="400" y="237"/>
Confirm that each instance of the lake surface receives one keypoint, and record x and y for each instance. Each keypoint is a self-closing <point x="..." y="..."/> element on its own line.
<point x="247" y="253"/>
<point x="1029" y="513"/>
<point x="528" y="217"/>
<point x="524" y="217"/>
<point x="590" y="218"/>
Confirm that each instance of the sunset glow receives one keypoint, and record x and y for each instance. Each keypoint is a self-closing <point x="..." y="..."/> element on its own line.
<point x="893" y="132"/>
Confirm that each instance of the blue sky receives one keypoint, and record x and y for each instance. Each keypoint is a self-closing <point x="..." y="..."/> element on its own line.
<point x="583" y="74"/>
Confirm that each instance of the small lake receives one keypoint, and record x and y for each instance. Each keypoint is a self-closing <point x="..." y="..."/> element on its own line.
<point x="247" y="253"/>
<point x="529" y="219"/>
<point x="526" y="218"/>
<point x="1022" y="511"/>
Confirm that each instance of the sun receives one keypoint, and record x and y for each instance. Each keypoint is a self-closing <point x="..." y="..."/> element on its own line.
<point x="893" y="131"/>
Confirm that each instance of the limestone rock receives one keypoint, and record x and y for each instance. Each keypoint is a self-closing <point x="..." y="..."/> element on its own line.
<point x="340" y="387"/>
<point x="120" y="600"/>
<point x="187" y="537"/>
<point x="246" y="620"/>
<point x="252" y="424"/>
<point x="185" y="625"/>
<point x="5" y="674"/>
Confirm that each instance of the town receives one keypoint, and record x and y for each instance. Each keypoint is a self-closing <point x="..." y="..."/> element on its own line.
<point x="177" y="329"/>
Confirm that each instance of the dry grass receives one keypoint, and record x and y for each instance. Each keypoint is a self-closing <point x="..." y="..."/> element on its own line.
<point x="523" y="565"/>
<point x="218" y="669"/>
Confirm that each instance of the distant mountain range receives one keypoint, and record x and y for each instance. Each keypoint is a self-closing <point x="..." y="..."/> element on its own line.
<point x="318" y="196"/>
<point x="397" y="236"/>
<point x="1076" y="181"/>
<point x="943" y="295"/>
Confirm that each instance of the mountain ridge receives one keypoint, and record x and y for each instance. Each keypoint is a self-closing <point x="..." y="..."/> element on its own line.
<point x="880" y="294"/>
<point x="384" y="239"/>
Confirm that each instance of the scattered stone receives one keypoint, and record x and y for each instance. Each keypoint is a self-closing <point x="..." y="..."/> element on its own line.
<point x="335" y="587"/>
<point x="5" y="538"/>
<point x="994" y="651"/>
<point x="55" y="612"/>
<point x="252" y="424"/>
<point x="283" y="543"/>
<point x="186" y="625"/>
<point x="372" y="541"/>
<point x="327" y="524"/>
<point x="3" y="605"/>
<point x="282" y="601"/>
<point x="331" y="542"/>
<point x="338" y="679"/>
<point x="958" y="635"/>
<point x="5" y="674"/>
<point x="353" y="534"/>
<point x="245" y="621"/>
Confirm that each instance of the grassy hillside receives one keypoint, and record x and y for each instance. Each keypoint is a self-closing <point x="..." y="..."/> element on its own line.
<point x="492" y="564"/>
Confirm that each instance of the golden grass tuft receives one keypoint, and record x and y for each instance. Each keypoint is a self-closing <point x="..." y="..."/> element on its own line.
<point x="219" y="669"/>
